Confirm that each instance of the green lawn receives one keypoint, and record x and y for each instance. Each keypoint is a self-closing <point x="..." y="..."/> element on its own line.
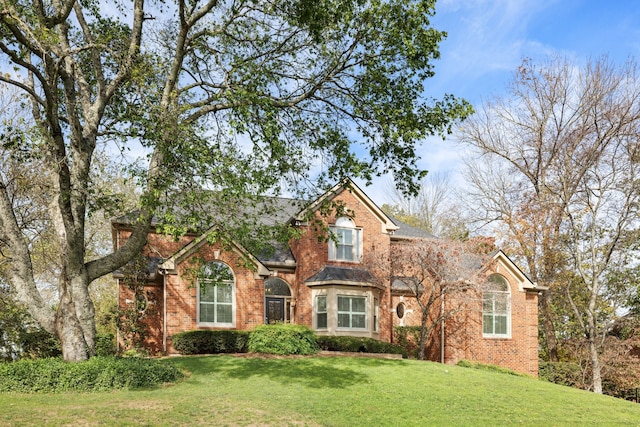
<point x="327" y="391"/>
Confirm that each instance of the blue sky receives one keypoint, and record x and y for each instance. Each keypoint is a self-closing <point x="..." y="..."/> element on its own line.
<point x="487" y="40"/>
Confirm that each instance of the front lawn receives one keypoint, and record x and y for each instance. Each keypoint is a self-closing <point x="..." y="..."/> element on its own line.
<point x="325" y="391"/>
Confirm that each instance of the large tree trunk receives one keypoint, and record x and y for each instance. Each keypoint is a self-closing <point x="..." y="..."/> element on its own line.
<point x="85" y="311"/>
<point x="595" y="366"/>
<point x="69" y="330"/>
<point x="592" y="335"/>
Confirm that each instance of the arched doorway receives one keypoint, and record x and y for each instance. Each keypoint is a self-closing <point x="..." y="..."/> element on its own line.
<point x="277" y="304"/>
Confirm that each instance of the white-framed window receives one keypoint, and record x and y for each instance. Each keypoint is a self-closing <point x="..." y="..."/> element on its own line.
<point x="376" y="314"/>
<point x="352" y="312"/>
<point x="345" y="243"/>
<point x="216" y="295"/>
<point x="496" y="308"/>
<point x="321" y="312"/>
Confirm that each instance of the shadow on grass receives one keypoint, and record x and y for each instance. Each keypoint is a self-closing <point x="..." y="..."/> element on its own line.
<point x="316" y="372"/>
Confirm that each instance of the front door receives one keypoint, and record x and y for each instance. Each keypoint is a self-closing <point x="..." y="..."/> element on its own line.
<point x="275" y="310"/>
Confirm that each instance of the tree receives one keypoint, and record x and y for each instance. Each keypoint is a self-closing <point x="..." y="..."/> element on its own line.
<point x="432" y="209"/>
<point x="563" y="183"/>
<point x="432" y="271"/>
<point x="240" y="97"/>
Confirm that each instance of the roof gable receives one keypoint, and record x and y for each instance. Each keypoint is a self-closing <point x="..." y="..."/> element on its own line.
<point x="388" y="226"/>
<point x="169" y="266"/>
<point x="502" y="261"/>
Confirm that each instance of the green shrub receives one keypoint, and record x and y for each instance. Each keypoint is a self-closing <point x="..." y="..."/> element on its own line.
<point x="408" y="337"/>
<point x="96" y="374"/>
<point x="564" y="373"/>
<point x="40" y="344"/>
<point x="358" y="344"/>
<point x="283" y="339"/>
<point x="106" y="345"/>
<point x="211" y="342"/>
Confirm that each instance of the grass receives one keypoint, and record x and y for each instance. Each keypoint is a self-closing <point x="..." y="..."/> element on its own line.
<point x="325" y="391"/>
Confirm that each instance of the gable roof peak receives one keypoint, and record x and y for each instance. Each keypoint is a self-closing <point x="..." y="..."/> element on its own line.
<point x="347" y="184"/>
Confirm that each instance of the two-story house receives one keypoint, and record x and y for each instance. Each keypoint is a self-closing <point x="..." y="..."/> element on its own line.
<point x="325" y="284"/>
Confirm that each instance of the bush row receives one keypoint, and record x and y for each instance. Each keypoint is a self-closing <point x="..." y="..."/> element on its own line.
<point x="211" y="342"/>
<point x="356" y="344"/>
<point x="96" y="374"/>
<point x="276" y="339"/>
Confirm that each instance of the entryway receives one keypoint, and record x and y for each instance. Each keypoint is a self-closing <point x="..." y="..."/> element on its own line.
<point x="277" y="306"/>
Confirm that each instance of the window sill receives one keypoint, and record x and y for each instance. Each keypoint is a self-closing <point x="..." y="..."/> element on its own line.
<point x="496" y="337"/>
<point x="348" y="261"/>
<point x="216" y="325"/>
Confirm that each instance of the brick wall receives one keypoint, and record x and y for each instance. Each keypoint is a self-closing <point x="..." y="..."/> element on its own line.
<point x="519" y="352"/>
<point x="463" y="333"/>
<point x="181" y="291"/>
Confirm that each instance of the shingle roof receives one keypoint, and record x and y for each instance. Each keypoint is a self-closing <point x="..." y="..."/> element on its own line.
<point x="406" y="285"/>
<point x="275" y="211"/>
<point x="332" y="274"/>
<point x="409" y="231"/>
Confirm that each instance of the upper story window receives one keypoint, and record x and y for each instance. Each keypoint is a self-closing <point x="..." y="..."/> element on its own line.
<point x="346" y="242"/>
<point x="496" y="308"/>
<point x="216" y="295"/>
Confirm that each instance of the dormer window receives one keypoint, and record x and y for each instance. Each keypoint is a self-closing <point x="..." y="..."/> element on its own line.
<point x="345" y="243"/>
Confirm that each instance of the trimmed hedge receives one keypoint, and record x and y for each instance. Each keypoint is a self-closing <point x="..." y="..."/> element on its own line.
<point x="283" y="339"/>
<point x="211" y="342"/>
<point x="276" y="339"/>
<point x="357" y="344"/>
<point x="96" y="374"/>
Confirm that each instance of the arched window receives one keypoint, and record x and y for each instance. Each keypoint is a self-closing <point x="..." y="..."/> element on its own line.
<point x="496" y="307"/>
<point x="346" y="242"/>
<point x="216" y="295"/>
<point x="276" y="287"/>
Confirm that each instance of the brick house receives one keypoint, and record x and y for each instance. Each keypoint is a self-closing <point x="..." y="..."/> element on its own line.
<point x="324" y="284"/>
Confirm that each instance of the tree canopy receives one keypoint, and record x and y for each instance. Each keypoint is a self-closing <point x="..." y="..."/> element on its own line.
<point x="242" y="97"/>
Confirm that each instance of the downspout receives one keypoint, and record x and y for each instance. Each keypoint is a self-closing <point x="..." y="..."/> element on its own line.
<point x="118" y="329"/>
<point x="164" y="314"/>
<point x="116" y="247"/>
<point x="442" y="329"/>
